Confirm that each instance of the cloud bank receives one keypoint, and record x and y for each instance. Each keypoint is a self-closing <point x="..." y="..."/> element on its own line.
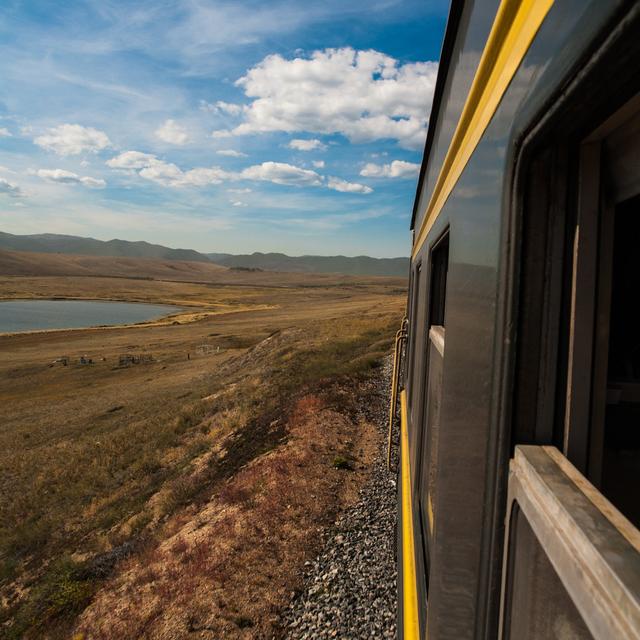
<point x="363" y="95"/>
<point x="167" y="174"/>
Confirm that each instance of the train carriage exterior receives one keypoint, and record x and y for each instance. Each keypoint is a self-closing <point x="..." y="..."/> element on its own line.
<point x="519" y="444"/>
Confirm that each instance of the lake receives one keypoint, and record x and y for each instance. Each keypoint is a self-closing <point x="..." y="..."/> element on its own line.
<point x="33" y="315"/>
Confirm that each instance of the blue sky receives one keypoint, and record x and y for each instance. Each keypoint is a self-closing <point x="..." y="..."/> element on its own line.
<point x="220" y="126"/>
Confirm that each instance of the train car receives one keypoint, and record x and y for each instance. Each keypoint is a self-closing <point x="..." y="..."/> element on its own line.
<point x="519" y="439"/>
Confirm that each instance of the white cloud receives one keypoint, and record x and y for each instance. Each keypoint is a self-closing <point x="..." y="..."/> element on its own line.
<point x="10" y="189"/>
<point x="170" y="175"/>
<point x="364" y="95"/>
<point x="166" y="173"/>
<point x="68" y="177"/>
<point x="4" y="132"/>
<point x="221" y="133"/>
<point x="347" y="187"/>
<point x="232" y="153"/>
<point x="395" y="169"/>
<point x="282" y="173"/>
<point x="172" y="132"/>
<point x="72" y="139"/>
<point x="307" y="145"/>
<point x="130" y="160"/>
<point x="96" y="183"/>
<point x="318" y="164"/>
<point x="228" y="108"/>
<point x="238" y="203"/>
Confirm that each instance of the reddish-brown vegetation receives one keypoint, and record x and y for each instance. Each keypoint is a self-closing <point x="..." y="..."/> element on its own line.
<point x="231" y="566"/>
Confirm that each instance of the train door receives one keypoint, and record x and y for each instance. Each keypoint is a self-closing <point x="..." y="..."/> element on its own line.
<point x="572" y="549"/>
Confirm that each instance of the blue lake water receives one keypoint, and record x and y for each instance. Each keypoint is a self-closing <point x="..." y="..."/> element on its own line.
<point x="33" y="315"/>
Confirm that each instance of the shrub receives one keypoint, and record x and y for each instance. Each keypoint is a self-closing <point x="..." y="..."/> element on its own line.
<point x="340" y="462"/>
<point x="62" y="593"/>
<point x="243" y="622"/>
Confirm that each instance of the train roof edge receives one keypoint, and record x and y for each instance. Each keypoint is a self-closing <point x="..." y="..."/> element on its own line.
<point x="448" y="42"/>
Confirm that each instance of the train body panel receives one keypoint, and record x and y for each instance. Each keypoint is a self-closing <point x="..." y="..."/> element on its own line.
<point x="462" y="366"/>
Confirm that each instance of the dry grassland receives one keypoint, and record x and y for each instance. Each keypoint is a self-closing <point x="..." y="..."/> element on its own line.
<point x="178" y="498"/>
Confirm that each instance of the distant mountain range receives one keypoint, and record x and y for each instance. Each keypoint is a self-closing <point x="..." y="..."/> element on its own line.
<point x="54" y="243"/>
<point x="360" y="265"/>
<point x="63" y="244"/>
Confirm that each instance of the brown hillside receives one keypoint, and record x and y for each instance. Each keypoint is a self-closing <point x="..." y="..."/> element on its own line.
<point x="20" y="263"/>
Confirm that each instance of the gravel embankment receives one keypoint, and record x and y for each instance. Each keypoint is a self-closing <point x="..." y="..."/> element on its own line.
<point x="350" y="588"/>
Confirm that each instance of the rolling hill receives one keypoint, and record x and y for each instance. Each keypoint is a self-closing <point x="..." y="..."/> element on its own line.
<point x="29" y="263"/>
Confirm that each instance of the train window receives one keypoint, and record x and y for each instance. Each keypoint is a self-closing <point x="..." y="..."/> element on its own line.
<point x="602" y="406"/>
<point x="415" y="295"/>
<point x="438" y="289"/>
<point x="428" y="461"/>
<point x="620" y="473"/>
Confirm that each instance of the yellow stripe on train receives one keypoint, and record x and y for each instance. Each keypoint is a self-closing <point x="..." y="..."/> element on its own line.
<point x="514" y="28"/>
<point x="411" y="625"/>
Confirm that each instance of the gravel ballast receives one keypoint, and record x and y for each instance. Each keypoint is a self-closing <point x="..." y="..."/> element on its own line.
<point x="350" y="588"/>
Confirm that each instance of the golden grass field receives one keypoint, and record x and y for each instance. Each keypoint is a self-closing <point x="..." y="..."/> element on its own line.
<point x="179" y="498"/>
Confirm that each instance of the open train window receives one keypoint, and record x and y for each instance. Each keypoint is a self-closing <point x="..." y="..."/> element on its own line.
<point x="620" y="472"/>
<point x="578" y="361"/>
<point x="602" y="402"/>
